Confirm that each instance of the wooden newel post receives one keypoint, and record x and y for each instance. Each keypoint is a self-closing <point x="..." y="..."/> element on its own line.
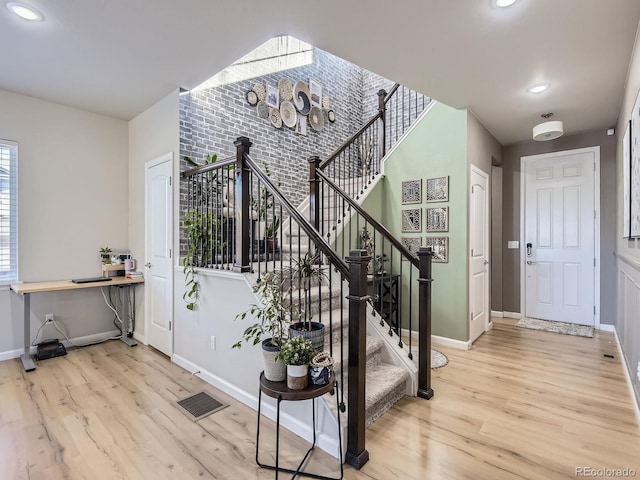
<point x="314" y="192"/>
<point x="382" y="108"/>
<point x="424" y="323"/>
<point x="357" y="260"/>
<point x="243" y="220"/>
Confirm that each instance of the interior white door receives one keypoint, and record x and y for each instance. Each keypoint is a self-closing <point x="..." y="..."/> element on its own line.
<point x="559" y="237"/>
<point x="479" y="253"/>
<point x="158" y="235"/>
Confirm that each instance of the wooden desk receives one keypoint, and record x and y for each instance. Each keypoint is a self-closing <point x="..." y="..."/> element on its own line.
<point x="26" y="289"/>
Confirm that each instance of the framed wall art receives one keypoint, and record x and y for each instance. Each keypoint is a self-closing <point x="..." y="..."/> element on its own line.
<point x="411" y="192"/>
<point x="315" y="92"/>
<point x="635" y="168"/>
<point x="412" y="244"/>
<point x="626" y="181"/>
<point x="437" y="189"/>
<point x="273" y="96"/>
<point x="440" y="248"/>
<point x="412" y="220"/>
<point x="437" y="219"/>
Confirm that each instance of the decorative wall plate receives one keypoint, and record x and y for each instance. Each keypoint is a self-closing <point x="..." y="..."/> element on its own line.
<point x="262" y="109"/>
<point x="288" y="114"/>
<point x="440" y="248"/>
<point x="316" y="118"/>
<point x="412" y="191"/>
<point x="412" y="220"/>
<point x="301" y="97"/>
<point x="331" y="115"/>
<point x="252" y="98"/>
<point x="437" y="219"/>
<point x="437" y="189"/>
<point x="260" y="90"/>
<point x="286" y="89"/>
<point x="325" y="102"/>
<point x="274" y="116"/>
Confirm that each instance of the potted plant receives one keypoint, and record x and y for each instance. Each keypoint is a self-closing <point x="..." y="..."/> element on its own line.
<point x="305" y="272"/>
<point x="105" y="254"/>
<point x="274" y="317"/>
<point x="296" y="354"/>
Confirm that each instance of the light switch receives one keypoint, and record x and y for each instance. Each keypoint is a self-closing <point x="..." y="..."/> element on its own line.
<point x="513" y="244"/>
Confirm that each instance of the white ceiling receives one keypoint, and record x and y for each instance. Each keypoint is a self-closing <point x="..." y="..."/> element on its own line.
<point x="119" y="57"/>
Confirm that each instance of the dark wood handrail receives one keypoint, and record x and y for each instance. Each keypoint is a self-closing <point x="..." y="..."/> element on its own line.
<point x="377" y="225"/>
<point x="207" y="168"/>
<point x="343" y="147"/>
<point x="391" y="93"/>
<point x="303" y="223"/>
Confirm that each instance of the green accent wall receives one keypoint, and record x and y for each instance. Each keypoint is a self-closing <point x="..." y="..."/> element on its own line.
<point x="436" y="147"/>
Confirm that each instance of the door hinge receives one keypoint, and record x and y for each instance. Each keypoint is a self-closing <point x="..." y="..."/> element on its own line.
<point x="594" y="309"/>
<point x="169" y="181"/>
<point x="594" y="262"/>
<point x="169" y="253"/>
<point x="169" y="325"/>
<point x="472" y="186"/>
<point x="471" y="318"/>
<point x="595" y="215"/>
<point x="472" y="252"/>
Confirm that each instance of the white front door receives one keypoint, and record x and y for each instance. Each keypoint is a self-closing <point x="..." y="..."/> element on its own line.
<point x="158" y="235"/>
<point x="560" y="236"/>
<point x="479" y="260"/>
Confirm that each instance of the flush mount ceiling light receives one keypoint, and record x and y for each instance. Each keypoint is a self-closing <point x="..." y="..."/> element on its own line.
<point x="504" y="3"/>
<point x="547" y="130"/>
<point x="539" y="88"/>
<point x="25" y="12"/>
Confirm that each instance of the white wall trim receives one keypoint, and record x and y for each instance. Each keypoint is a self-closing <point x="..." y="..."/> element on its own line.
<point x="497" y="314"/>
<point x="627" y="375"/>
<point x="436" y="340"/>
<point x="632" y="262"/>
<point x="516" y="315"/>
<point x="324" y="441"/>
<point x="605" y="327"/>
<point x="81" y="341"/>
<point x="596" y="180"/>
<point x="141" y="338"/>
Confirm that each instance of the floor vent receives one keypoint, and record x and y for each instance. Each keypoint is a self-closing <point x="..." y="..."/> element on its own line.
<point x="200" y="405"/>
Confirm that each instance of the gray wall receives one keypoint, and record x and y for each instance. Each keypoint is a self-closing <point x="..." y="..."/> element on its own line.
<point x="511" y="213"/>
<point x="496" y="239"/>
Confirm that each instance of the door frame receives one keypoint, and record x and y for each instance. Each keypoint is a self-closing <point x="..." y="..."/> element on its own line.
<point x="596" y="224"/>
<point x="147" y="317"/>
<point x="488" y="324"/>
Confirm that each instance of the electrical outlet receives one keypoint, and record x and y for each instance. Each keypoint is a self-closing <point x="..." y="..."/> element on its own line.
<point x="213" y="342"/>
<point x="48" y="317"/>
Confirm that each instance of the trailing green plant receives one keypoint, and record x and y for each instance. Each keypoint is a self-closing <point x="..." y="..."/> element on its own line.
<point x="296" y="351"/>
<point x="274" y="314"/>
<point x="302" y="273"/>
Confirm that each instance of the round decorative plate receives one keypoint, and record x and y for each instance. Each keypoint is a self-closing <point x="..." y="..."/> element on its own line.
<point x="260" y="90"/>
<point x="316" y="118"/>
<point x="325" y="102"/>
<point x="331" y="115"/>
<point x="262" y="109"/>
<point x="285" y="88"/>
<point x="252" y="98"/>
<point x="274" y="116"/>
<point x="289" y="114"/>
<point x="301" y="97"/>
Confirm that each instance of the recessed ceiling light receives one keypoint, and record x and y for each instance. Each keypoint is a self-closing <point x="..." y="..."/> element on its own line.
<point x="25" y="11"/>
<point x="504" y="3"/>
<point x="539" y="88"/>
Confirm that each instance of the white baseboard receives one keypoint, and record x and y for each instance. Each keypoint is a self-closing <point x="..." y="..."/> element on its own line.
<point x="629" y="377"/>
<point x="325" y="442"/>
<point x="605" y="327"/>
<point x="436" y="340"/>
<point x="87" y="339"/>
<point x="497" y="314"/>
<point x="141" y="338"/>
<point x="517" y="315"/>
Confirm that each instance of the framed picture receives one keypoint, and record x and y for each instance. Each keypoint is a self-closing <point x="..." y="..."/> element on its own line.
<point x="301" y="126"/>
<point x="439" y="247"/>
<point x="412" y="244"/>
<point x="437" y="189"/>
<point x="315" y="91"/>
<point x="437" y="219"/>
<point x="635" y="168"/>
<point x="412" y="220"/>
<point x="412" y="191"/>
<point x="273" y="96"/>
<point x="626" y="181"/>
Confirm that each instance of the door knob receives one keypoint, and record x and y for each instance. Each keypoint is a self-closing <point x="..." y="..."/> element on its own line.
<point x="529" y="262"/>
<point x="486" y="262"/>
<point x="148" y="264"/>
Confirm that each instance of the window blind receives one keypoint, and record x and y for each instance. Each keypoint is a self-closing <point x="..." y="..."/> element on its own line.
<point x="8" y="212"/>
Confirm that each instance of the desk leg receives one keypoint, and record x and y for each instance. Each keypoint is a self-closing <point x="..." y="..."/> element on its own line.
<point x="27" y="360"/>
<point x="124" y="315"/>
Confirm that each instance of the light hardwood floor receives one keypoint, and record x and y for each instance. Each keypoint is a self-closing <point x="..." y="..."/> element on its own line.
<point x="520" y="404"/>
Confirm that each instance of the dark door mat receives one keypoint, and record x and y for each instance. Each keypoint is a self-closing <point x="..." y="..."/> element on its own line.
<point x="200" y="405"/>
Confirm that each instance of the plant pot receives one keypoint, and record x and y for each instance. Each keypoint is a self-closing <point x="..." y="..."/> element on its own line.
<point x="320" y="368"/>
<point x="273" y="371"/>
<point x="272" y="244"/>
<point x="297" y="377"/>
<point x="315" y="335"/>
